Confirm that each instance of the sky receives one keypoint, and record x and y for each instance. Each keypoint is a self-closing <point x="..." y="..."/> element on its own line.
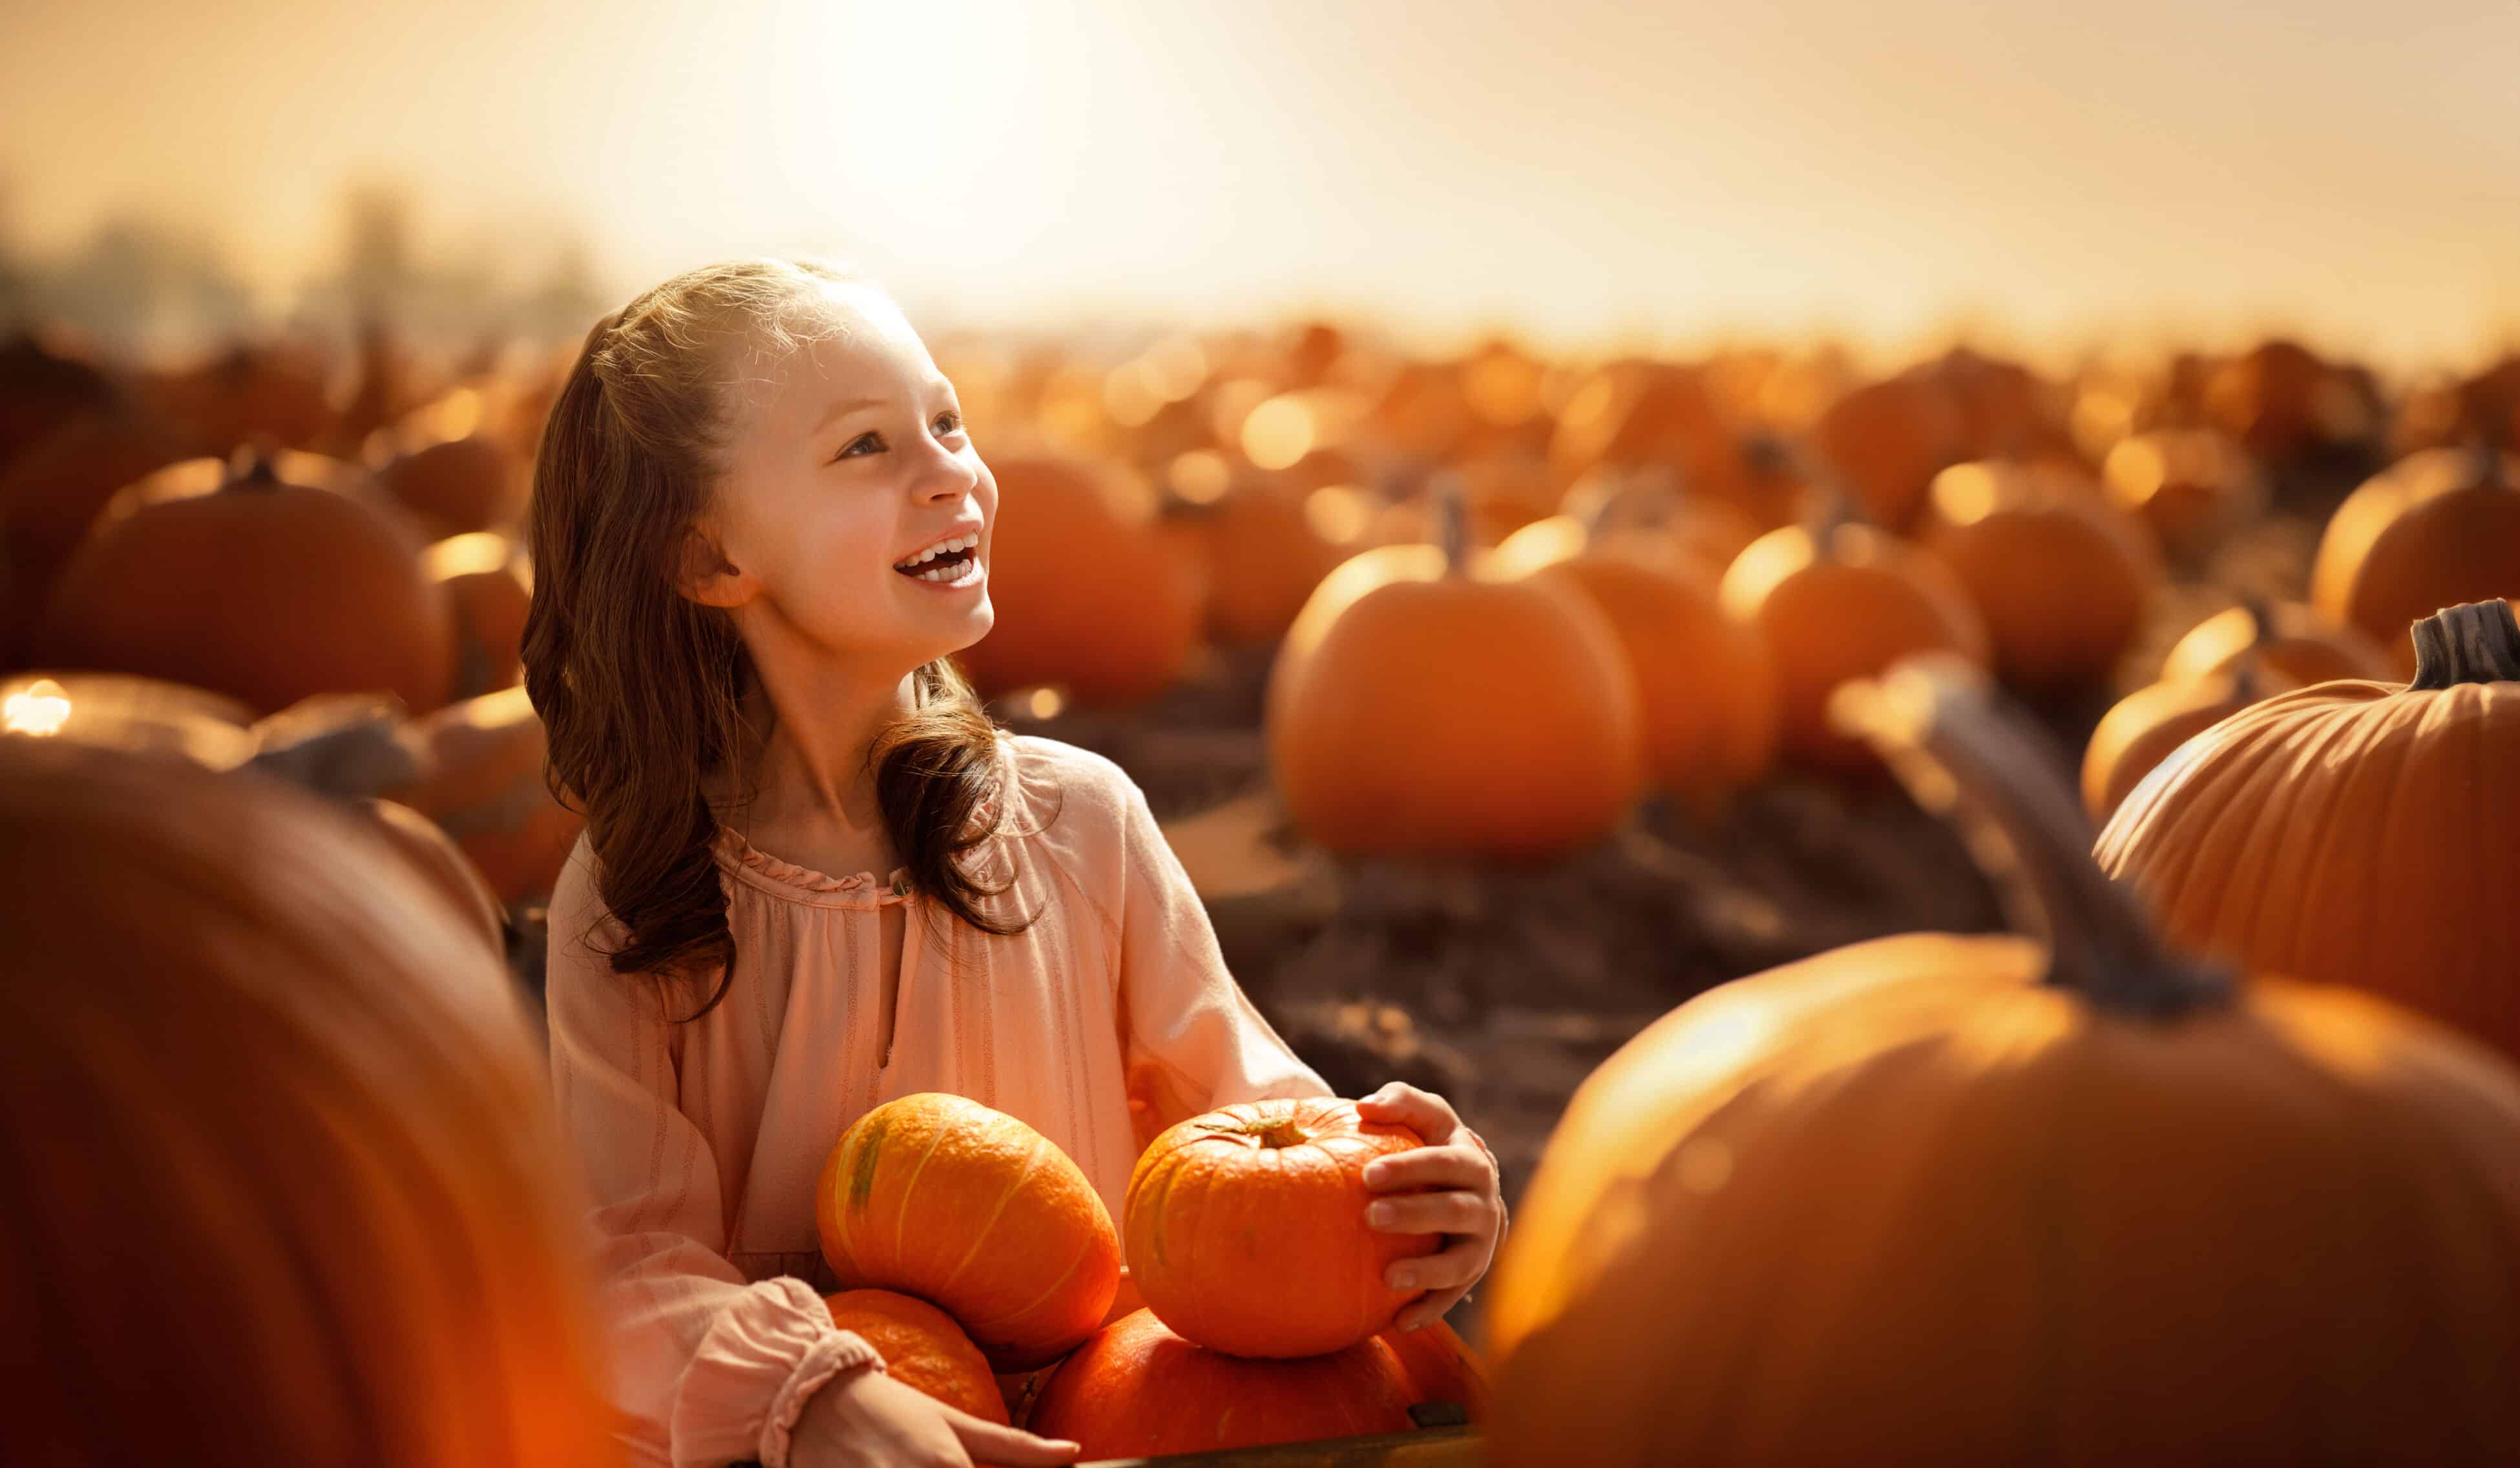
<point x="1585" y="172"/>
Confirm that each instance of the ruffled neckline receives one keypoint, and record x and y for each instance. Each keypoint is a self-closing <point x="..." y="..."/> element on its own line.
<point x="740" y="857"/>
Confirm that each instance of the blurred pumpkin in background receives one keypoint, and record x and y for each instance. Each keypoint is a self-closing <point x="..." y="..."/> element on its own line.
<point x="45" y="381"/>
<point x="2059" y="575"/>
<point x="2435" y="529"/>
<point x="54" y="491"/>
<point x="2190" y="486"/>
<point x="2355" y="832"/>
<point x="2284" y="638"/>
<point x="2193" y="1206"/>
<point x="448" y="467"/>
<point x="482" y="781"/>
<point x="1843" y="600"/>
<point x="1888" y="439"/>
<point x="1084" y="597"/>
<point x="276" y="392"/>
<point x="1259" y="550"/>
<point x="2146" y="727"/>
<point x="268" y="578"/>
<point x="276" y="1125"/>
<point x="1420" y="704"/>
<point x="489" y="588"/>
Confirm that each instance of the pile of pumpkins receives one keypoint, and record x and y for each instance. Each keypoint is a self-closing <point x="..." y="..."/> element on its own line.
<point x="177" y="550"/>
<point x="973" y="1253"/>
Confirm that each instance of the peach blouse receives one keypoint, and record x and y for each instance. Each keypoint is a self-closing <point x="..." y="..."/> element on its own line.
<point x="1111" y="1015"/>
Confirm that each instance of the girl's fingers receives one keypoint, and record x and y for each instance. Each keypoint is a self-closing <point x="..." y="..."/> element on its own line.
<point x="1456" y="1166"/>
<point x="1423" y="1112"/>
<point x="1429" y="1309"/>
<point x="988" y="1442"/>
<point x="1459" y="1210"/>
<point x="1455" y="1267"/>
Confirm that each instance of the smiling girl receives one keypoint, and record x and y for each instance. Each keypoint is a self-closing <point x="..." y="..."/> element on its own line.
<point x="759" y="530"/>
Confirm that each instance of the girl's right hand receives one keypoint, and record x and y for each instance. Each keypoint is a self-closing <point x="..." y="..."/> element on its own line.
<point x="865" y="1419"/>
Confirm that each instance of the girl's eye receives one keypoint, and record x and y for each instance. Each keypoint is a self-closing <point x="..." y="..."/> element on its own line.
<point x="948" y="422"/>
<point x="870" y="442"/>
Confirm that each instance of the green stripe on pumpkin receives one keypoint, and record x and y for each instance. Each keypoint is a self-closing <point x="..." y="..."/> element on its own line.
<point x="861" y="1169"/>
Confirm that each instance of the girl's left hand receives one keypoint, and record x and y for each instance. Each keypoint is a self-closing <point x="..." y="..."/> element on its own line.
<point x="1470" y="1210"/>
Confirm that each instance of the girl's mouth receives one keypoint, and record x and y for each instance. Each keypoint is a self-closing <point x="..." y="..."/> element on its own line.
<point x="953" y="569"/>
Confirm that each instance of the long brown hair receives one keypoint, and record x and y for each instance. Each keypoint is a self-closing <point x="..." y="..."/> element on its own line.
<point x="641" y="689"/>
<point x="274" y="1123"/>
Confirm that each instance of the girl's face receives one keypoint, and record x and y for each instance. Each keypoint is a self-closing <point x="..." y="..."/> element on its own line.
<point x="851" y="507"/>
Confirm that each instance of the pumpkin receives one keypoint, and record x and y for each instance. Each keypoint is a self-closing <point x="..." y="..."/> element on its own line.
<point x="1410" y="680"/>
<point x="1138" y="1390"/>
<point x="1085" y="599"/>
<point x="436" y="856"/>
<point x="483" y="784"/>
<point x="489" y="588"/>
<point x="1262" y="555"/>
<point x="1441" y="1366"/>
<point x="1889" y="439"/>
<point x="2284" y="402"/>
<point x="922" y="1347"/>
<point x="451" y="471"/>
<point x="2143" y="728"/>
<point x="2355" y="832"/>
<point x="1245" y="1228"/>
<point x="270" y="578"/>
<point x="1706" y="689"/>
<point x="2133" y="1210"/>
<point x="277" y="1126"/>
<point x="1837" y="601"/>
<point x="1647" y="509"/>
<point x="2059" y="576"/>
<point x="137" y="715"/>
<point x="971" y="1210"/>
<point x="2286" y="638"/>
<point x="2436" y="528"/>
<point x="2002" y="406"/>
<point x="2189" y="485"/>
<point x="51" y="494"/>
<point x="1634" y="413"/>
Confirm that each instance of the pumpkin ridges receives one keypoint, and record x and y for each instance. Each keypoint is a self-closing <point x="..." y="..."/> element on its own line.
<point x="981" y="1235"/>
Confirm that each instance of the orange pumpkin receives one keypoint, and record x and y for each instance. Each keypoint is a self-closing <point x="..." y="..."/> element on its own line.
<point x="1889" y="439"/>
<point x="2144" y="727"/>
<point x="1708" y="698"/>
<point x="45" y="381"/>
<point x="1410" y="680"/>
<point x="483" y="784"/>
<point x="51" y="494"/>
<point x="1137" y="1390"/>
<point x="970" y="1209"/>
<point x="271" y="579"/>
<point x="2436" y="528"/>
<point x="135" y="715"/>
<point x="489" y="589"/>
<point x="270" y="393"/>
<point x="1085" y="599"/>
<point x="922" y="1347"/>
<point x="1632" y="414"/>
<point x="2191" y="486"/>
<point x="2286" y="638"/>
<point x="1246" y="1232"/>
<point x="1263" y="557"/>
<point x="1441" y="1366"/>
<point x="1648" y="511"/>
<point x="1842" y="600"/>
<point x="2355" y="832"/>
<point x="2059" y="576"/>
<point x="1745" y="1242"/>
<point x="436" y="856"/>
<point x="461" y="482"/>
<point x="2283" y="402"/>
<point x="277" y="1127"/>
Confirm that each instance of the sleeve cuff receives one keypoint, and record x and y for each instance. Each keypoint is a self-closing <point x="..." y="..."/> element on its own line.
<point x="841" y="1351"/>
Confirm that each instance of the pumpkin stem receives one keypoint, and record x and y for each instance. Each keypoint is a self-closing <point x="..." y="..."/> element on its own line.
<point x="2262" y="630"/>
<point x="1655" y="485"/>
<point x="1451" y="522"/>
<point x="1282" y="1132"/>
<point x="2475" y="641"/>
<point x="1830" y="506"/>
<point x="253" y="466"/>
<point x="1959" y="748"/>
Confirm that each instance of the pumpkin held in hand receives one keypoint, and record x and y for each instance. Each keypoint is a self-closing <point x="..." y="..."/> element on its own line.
<point x="970" y="1209"/>
<point x="2357" y="833"/>
<point x="2142" y="1213"/>
<point x="1138" y="1390"/>
<point x="922" y="1347"/>
<point x="1246" y="1232"/>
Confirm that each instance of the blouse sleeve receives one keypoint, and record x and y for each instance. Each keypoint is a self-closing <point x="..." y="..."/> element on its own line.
<point x="709" y="1370"/>
<point x="1193" y="1040"/>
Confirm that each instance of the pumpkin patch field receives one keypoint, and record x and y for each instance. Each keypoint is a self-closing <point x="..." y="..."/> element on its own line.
<point x="1934" y="871"/>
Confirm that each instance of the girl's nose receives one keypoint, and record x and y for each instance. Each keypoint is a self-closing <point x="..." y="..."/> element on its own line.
<point x="946" y="476"/>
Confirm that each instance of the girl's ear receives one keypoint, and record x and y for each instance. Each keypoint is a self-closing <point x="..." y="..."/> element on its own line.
<point x="707" y="577"/>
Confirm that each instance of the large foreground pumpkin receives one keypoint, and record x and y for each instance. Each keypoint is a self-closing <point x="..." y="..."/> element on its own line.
<point x="922" y="1347"/>
<point x="1246" y="1232"/>
<point x="272" y="1124"/>
<point x="1992" y="1200"/>
<point x="270" y="579"/>
<point x="2355" y="832"/>
<point x="1138" y="1390"/>
<point x="1419" y="705"/>
<point x="971" y="1210"/>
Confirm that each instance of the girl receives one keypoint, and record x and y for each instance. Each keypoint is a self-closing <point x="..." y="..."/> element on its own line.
<point x="758" y="531"/>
